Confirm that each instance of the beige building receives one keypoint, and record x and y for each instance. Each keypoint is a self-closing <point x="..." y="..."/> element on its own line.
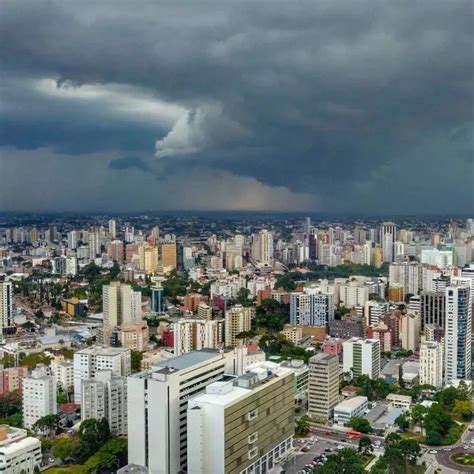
<point x="323" y="394"/>
<point x="431" y="364"/>
<point x="410" y="325"/>
<point x="237" y="320"/>
<point x="168" y="256"/>
<point x="243" y="425"/>
<point x="134" y="336"/>
<point x="293" y="333"/>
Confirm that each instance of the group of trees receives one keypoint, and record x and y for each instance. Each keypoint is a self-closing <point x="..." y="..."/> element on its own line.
<point x="318" y="272"/>
<point x="279" y="345"/>
<point x="93" y="446"/>
<point x="360" y="424"/>
<point x="373" y="389"/>
<point x="400" y="456"/>
<point x="271" y="315"/>
<point x="10" y="409"/>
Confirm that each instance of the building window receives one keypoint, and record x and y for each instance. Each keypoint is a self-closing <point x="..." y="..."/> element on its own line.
<point x="252" y="438"/>
<point x="252" y="453"/>
<point x="251" y="415"/>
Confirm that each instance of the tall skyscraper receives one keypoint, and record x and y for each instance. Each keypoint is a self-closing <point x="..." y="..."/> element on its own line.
<point x="39" y="396"/>
<point x="6" y="305"/>
<point x="361" y="356"/>
<point x="432" y="308"/>
<point x="388" y="231"/>
<point x="311" y="307"/>
<point x="157" y="303"/>
<point x="105" y="396"/>
<point x="242" y="425"/>
<point x="169" y="256"/>
<point x="72" y="240"/>
<point x="458" y="336"/>
<point x="112" y="229"/>
<point x="431" y="364"/>
<point x="237" y="320"/>
<point x="262" y="249"/>
<point x="157" y="408"/>
<point x="323" y="393"/>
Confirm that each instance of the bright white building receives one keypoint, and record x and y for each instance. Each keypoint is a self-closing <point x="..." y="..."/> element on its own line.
<point x="243" y="425"/>
<point x="431" y="364"/>
<point x="39" y="395"/>
<point x="353" y="294"/>
<point x="88" y="361"/>
<point x="350" y="407"/>
<point x="63" y="372"/>
<point x="388" y="232"/>
<point x="105" y="396"/>
<point x="361" y="356"/>
<point x="458" y="333"/>
<point x="157" y="407"/>
<point x="18" y="451"/>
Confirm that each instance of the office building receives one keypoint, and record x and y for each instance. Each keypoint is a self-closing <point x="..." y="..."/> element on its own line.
<point x="432" y="308"/>
<point x="158" y="399"/>
<point x="410" y="331"/>
<point x="361" y="356"/>
<point x="6" y="305"/>
<point x="431" y="364"/>
<point x="323" y="386"/>
<point x="169" y="256"/>
<point x="388" y="231"/>
<point x="19" y="453"/>
<point x="311" y="307"/>
<point x="458" y="335"/>
<point x="244" y="425"/>
<point x="39" y="395"/>
<point x="105" y="396"/>
<point x="157" y="303"/>
<point x="350" y="407"/>
<point x="92" y="359"/>
<point x="237" y="320"/>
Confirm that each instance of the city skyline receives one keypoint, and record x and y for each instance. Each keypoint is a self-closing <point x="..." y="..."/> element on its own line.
<point x="308" y="107"/>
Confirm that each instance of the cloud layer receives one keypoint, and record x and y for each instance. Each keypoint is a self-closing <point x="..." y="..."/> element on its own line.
<point x="239" y="105"/>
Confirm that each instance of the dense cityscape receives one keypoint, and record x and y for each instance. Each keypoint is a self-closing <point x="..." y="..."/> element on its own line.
<point x="222" y="343"/>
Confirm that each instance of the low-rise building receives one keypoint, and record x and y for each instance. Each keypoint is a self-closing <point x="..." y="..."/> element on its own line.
<point x="18" y="452"/>
<point x="355" y="406"/>
<point x="293" y="333"/>
<point x="399" y="401"/>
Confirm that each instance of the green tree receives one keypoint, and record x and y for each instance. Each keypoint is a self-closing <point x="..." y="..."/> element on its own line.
<point x="403" y="421"/>
<point x="65" y="448"/>
<point x="93" y="435"/>
<point x="302" y="427"/>
<point x="48" y="424"/>
<point x="365" y="446"/>
<point x="360" y="424"/>
<point x="410" y="450"/>
<point x="418" y="414"/>
<point x="392" y="439"/>
<point x="346" y="461"/>
<point x="110" y="456"/>
<point x="136" y="360"/>
<point x="462" y="410"/>
<point x="243" y="297"/>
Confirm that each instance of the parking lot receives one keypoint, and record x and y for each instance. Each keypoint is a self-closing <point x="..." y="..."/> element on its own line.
<point x="311" y="449"/>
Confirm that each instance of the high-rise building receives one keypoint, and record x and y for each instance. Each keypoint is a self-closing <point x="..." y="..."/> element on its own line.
<point x="354" y="293"/>
<point x="157" y="407"/>
<point x="407" y="275"/>
<point x="237" y="320"/>
<point x="323" y="393"/>
<point x="432" y="308"/>
<point x="105" y="396"/>
<point x="6" y="305"/>
<point x="410" y="331"/>
<point x="115" y="250"/>
<point x="169" y="256"/>
<point x="39" y="396"/>
<point x="157" y="304"/>
<point x="72" y="240"/>
<point x="121" y="305"/>
<point x="18" y="452"/>
<point x="431" y="364"/>
<point x="242" y="425"/>
<point x="63" y="372"/>
<point x="388" y="232"/>
<point x="262" y="249"/>
<point x="311" y="307"/>
<point x="361" y="356"/>
<point x="458" y="336"/>
<point x="92" y="359"/>
<point x="196" y="334"/>
<point x="94" y="244"/>
<point x="134" y="336"/>
<point x="112" y="229"/>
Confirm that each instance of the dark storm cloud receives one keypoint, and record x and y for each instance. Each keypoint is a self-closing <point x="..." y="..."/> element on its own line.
<point x="350" y="101"/>
<point x="129" y="162"/>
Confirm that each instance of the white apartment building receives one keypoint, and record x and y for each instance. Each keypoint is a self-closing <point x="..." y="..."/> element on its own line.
<point x="88" y="361"/>
<point x="196" y="334"/>
<point x="431" y="364"/>
<point x="374" y="311"/>
<point x="353" y="294"/>
<point x="39" y="396"/>
<point x="350" y="407"/>
<point x="388" y="232"/>
<point x="105" y="396"/>
<point x="18" y="451"/>
<point x="458" y="335"/>
<point x="323" y="385"/>
<point x="63" y="372"/>
<point x="361" y="356"/>
<point x="407" y="275"/>
<point x="237" y="320"/>
<point x="311" y="307"/>
<point x="6" y="305"/>
<point x="243" y="425"/>
<point x="437" y="258"/>
<point x="157" y="407"/>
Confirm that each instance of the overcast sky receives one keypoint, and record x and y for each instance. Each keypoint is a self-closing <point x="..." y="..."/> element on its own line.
<point x="335" y="106"/>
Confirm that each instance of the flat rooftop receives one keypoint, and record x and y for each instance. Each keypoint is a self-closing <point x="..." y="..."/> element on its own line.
<point x="351" y="403"/>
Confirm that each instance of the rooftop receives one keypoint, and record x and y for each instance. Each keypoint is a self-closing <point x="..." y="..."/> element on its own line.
<point x="351" y="403"/>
